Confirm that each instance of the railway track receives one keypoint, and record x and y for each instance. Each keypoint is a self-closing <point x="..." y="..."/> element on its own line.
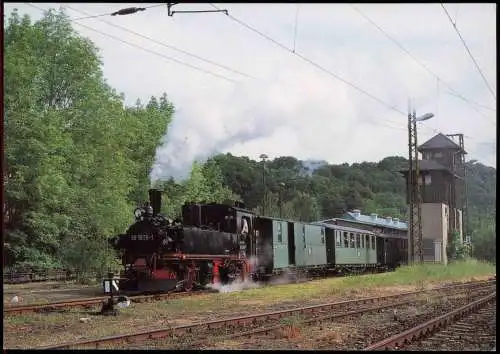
<point x="351" y="316"/>
<point x="95" y="301"/>
<point x="344" y="331"/>
<point x="252" y="324"/>
<point x="474" y="329"/>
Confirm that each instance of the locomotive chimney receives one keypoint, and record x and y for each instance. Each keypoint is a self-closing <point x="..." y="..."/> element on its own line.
<point x="155" y="200"/>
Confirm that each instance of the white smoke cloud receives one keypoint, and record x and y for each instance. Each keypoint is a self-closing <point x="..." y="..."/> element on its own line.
<point x="249" y="117"/>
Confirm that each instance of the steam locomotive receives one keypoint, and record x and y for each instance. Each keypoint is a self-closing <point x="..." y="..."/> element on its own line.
<point x="221" y="243"/>
<point x="160" y="254"/>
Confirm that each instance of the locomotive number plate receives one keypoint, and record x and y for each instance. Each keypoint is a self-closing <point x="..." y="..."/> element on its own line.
<point x="142" y="237"/>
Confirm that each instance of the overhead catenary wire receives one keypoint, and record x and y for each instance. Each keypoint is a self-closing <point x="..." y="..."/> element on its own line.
<point x="320" y="67"/>
<point x="295" y="29"/>
<point x="169" y="46"/>
<point x="148" y="50"/>
<point x="307" y="60"/>
<point x="112" y="13"/>
<point x="406" y="51"/>
<point x="138" y="34"/>
<point x="323" y="69"/>
<point x="469" y="52"/>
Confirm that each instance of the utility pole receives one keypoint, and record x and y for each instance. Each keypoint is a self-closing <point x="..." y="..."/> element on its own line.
<point x="264" y="201"/>
<point x="415" y="239"/>
<point x="419" y="241"/>
<point x="411" y="194"/>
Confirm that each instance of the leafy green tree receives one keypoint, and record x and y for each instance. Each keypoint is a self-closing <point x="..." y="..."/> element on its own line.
<point x="456" y="250"/>
<point x="203" y="185"/>
<point x="483" y="237"/>
<point x="75" y="156"/>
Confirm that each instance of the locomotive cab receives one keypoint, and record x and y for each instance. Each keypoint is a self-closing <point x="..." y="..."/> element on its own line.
<point x="220" y="217"/>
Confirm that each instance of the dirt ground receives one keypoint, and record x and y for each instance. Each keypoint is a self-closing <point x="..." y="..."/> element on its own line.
<point x="38" y="329"/>
<point x="44" y="292"/>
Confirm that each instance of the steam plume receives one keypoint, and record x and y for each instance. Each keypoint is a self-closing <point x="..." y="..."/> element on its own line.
<point x="196" y="133"/>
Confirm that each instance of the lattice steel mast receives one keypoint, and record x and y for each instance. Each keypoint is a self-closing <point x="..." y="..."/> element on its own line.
<point x="415" y="242"/>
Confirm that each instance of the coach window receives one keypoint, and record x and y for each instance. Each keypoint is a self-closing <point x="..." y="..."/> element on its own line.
<point x="280" y="237"/>
<point x="352" y="240"/>
<point x="338" y="242"/>
<point x="373" y="241"/>
<point x="346" y="240"/>
<point x="362" y="240"/>
<point x="358" y="241"/>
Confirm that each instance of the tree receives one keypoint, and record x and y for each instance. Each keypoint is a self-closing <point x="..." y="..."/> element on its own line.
<point x="204" y="185"/>
<point x="484" y="237"/>
<point x="456" y="250"/>
<point x="76" y="157"/>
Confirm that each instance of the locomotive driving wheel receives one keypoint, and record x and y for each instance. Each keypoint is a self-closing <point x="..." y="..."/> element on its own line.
<point x="189" y="278"/>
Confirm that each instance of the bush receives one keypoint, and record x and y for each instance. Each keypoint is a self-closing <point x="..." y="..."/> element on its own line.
<point x="456" y="250"/>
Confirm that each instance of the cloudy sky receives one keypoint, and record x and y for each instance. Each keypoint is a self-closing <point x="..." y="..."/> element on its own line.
<point x="257" y="97"/>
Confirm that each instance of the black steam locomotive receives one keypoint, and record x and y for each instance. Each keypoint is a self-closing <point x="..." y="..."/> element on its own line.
<point x="208" y="245"/>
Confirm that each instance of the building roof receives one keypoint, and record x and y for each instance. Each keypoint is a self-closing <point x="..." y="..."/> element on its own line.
<point x="440" y="141"/>
<point x="356" y="217"/>
<point x="428" y="165"/>
<point x="340" y="227"/>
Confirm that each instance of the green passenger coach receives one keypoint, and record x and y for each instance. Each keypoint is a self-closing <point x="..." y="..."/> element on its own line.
<point x="319" y="248"/>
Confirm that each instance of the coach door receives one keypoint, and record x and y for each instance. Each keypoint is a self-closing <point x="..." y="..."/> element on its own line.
<point x="380" y="249"/>
<point x="291" y="243"/>
<point x="330" y="245"/>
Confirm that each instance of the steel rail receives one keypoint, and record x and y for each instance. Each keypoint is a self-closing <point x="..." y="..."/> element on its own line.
<point x="47" y="307"/>
<point x="424" y="329"/>
<point x="476" y="331"/>
<point x="324" y="318"/>
<point x="93" y="301"/>
<point x="241" y="320"/>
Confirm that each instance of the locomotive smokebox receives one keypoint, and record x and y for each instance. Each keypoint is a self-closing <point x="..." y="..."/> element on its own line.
<point x="155" y="200"/>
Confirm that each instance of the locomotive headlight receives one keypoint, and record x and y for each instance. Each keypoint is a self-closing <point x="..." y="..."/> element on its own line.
<point x="138" y="212"/>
